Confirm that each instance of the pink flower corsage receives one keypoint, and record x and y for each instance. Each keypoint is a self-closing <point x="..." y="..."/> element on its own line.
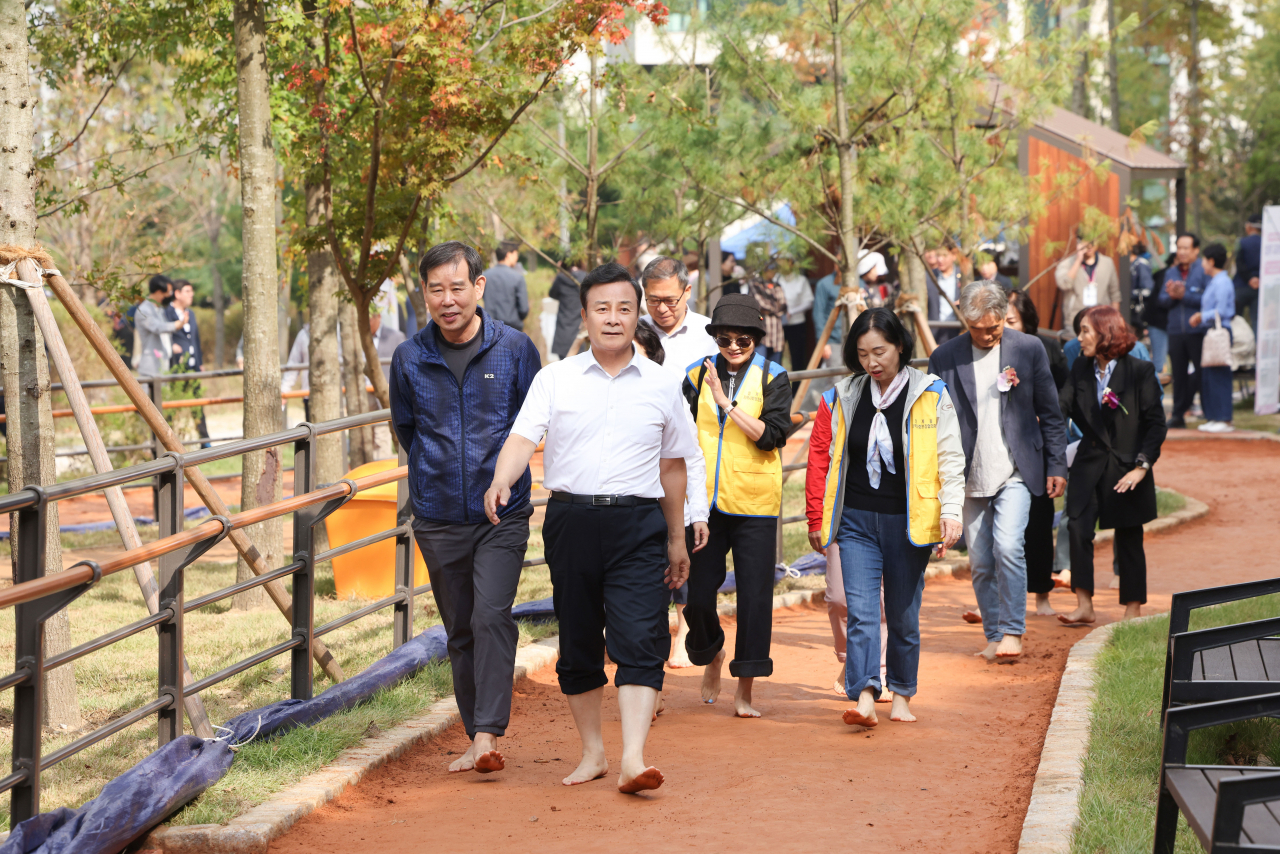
<point x="1007" y="379"/>
<point x="1110" y="399"/>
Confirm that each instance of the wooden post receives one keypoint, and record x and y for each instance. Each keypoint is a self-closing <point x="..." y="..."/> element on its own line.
<point x="29" y="271"/>
<point x="195" y="477"/>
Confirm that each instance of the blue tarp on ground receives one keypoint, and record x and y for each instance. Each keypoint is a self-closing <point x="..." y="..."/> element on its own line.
<point x="129" y="805"/>
<point x="283" y="716"/>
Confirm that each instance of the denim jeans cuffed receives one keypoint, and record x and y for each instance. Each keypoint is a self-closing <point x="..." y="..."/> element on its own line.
<point x="994" y="528"/>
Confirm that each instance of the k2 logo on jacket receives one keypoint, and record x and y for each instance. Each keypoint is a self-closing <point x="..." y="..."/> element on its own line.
<point x="488" y="376"/>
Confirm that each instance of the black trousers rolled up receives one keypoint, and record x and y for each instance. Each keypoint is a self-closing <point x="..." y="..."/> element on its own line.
<point x="1038" y="544"/>
<point x="608" y="567"/>
<point x="1131" y="558"/>
<point x="752" y="540"/>
<point x="474" y="572"/>
<point x="1184" y="350"/>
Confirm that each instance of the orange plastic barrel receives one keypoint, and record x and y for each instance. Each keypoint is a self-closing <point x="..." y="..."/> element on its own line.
<point x="370" y="572"/>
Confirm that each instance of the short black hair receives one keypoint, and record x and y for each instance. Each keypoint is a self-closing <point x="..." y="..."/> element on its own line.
<point x="1217" y="253"/>
<point x="1026" y="310"/>
<point x="179" y="284"/>
<point x="607" y="274"/>
<point x="648" y="338"/>
<point x="1195" y="238"/>
<point x="1076" y="321"/>
<point x="505" y="248"/>
<point x="160" y="283"/>
<point x="890" y="326"/>
<point x="443" y="254"/>
<point x="1138" y="248"/>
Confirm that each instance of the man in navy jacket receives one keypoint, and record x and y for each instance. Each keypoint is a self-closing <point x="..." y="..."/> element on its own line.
<point x="1184" y="284"/>
<point x="456" y="388"/>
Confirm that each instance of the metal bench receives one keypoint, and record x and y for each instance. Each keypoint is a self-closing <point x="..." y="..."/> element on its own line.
<point x="1229" y="808"/>
<point x="1225" y="662"/>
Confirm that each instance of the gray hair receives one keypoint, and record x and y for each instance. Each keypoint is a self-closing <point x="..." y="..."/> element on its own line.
<point x="980" y="298"/>
<point x="663" y="267"/>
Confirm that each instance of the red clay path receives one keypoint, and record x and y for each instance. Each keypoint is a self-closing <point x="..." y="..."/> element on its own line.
<point x="799" y="779"/>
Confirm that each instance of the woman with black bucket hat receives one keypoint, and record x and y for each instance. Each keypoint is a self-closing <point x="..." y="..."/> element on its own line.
<point x="741" y="403"/>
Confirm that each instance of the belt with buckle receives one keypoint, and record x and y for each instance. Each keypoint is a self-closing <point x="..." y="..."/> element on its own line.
<point x="602" y="500"/>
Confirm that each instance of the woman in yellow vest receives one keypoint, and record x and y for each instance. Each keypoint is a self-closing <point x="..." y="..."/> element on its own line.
<point x="885" y="482"/>
<point x="741" y="403"/>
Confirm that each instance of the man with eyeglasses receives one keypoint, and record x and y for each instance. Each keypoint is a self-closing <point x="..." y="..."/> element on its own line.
<point x="685" y="341"/>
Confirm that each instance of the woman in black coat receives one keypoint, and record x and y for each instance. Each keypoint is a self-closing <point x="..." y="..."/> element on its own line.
<point x="1114" y="399"/>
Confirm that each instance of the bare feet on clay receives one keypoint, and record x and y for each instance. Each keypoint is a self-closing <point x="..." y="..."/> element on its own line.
<point x="1043" y="608"/>
<point x="660" y="707"/>
<point x="838" y="685"/>
<point x="742" y="700"/>
<point x="679" y="658"/>
<point x="711" y="678"/>
<point x="901" y="710"/>
<point x="971" y="616"/>
<point x="989" y="652"/>
<point x="885" y="697"/>
<point x="1009" y="648"/>
<point x="1078" y="616"/>
<point x="590" y="768"/>
<point x="863" y="714"/>
<point x="644" y="780"/>
<point x="466" y="762"/>
<point x="490" y="761"/>
<point x="1132" y="610"/>
<point x="1115" y="583"/>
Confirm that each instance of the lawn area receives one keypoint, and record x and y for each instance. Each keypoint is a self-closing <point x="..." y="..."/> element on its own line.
<point x="1121" y="768"/>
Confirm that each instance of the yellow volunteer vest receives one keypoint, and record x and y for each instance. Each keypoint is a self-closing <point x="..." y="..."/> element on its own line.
<point x="742" y="480"/>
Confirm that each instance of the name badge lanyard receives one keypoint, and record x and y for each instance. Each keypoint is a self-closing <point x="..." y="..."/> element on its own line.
<point x="1091" y="290"/>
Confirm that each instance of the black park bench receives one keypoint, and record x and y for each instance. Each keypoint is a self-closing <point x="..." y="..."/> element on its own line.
<point x="1229" y="808"/>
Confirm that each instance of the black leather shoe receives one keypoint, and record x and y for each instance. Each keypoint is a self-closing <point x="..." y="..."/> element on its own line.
<point x="1177" y="424"/>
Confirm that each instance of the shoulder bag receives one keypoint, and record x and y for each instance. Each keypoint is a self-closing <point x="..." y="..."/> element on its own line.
<point x="1216" y="350"/>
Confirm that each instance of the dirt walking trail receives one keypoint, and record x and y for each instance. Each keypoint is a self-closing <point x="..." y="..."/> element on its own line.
<point x="799" y="779"/>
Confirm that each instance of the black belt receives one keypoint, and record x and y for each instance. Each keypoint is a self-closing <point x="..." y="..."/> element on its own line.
<point x="603" y="500"/>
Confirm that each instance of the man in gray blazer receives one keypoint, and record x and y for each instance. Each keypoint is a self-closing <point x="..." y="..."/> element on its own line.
<point x="1015" y="446"/>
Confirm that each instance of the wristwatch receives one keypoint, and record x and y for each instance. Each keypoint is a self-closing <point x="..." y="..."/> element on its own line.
<point x="729" y="408"/>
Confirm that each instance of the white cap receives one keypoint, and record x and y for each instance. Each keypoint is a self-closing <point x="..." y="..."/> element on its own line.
<point x="869" y="261"/>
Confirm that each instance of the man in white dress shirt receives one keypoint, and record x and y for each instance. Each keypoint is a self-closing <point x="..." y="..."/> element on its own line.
<point x="616" y="438"/>
<point x="685" y="342"/>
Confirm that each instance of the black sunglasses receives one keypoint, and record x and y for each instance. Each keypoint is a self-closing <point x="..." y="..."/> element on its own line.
<point x="742" y="342"/>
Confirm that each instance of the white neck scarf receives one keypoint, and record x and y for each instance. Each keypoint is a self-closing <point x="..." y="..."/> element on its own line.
<point x="880" y="440"/>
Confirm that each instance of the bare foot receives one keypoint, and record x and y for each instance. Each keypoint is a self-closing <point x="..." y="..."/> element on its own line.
<point x="679" y="658"/>
<point x="971" y="616"/>
<point x="660" y="708"/>
<point x="1009" y="648"/>
<point x="590" y="768"/>
<point x="853" y="717"/>
<point x="1079" y="615"/>
<point x="989" y="653"/>
<point x="742" y="700"/>
<point x="1043" y="608"/>
<point x="711" y="678"/>
<point x="487" y="763"/>
<point x="1132" y="610"/>
<point x="649" y="778"/>
<point x="1115" y="583"/>
<point x="901" y="710"/>
<point x="1062" y="580"/>
<point x="838" y="685"/>
<point x="466" y="762"/>
<point x="885" y="697"/>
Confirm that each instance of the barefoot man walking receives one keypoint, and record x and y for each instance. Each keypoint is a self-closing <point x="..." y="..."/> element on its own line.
<point x="616" y="439"/>
<point x="456" y="387"/>
<point x="1015" y="446"/>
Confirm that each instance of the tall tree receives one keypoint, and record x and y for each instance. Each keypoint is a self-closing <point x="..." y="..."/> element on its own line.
<point x="29" y="439"/>
<point x="262" y="478"/>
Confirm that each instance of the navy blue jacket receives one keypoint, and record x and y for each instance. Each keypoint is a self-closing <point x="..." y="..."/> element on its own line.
<point x="1248" y="259"/>
<point x="1030" y="412"/>
<point x="1180" y="310"/>
<point x="453" y="432"/>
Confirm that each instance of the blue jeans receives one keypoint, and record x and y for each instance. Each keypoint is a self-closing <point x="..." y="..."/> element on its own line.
<point x="1215" y="393"/>
<point x="995" y="527"/>
<point x="874" y="548"/>
<point x="1159" y="348"/>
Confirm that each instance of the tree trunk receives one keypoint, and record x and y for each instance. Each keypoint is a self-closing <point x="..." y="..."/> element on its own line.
<point x="325" y="373"/>
<point x="262" y="481"/>
<point x="845" y="152"/>
<point x="1113" y="66"/>
<point x="22" y="354"/>
<point x="593" y="178"/>
<point x="1193" y="114"/>
<point x="213" y="227"/>
<point x="360" y="441"/>
<point x="1080" y="85"/>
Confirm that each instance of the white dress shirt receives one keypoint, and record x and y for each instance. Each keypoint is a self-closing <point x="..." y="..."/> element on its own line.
<point x="947" y="283"/>
<point x="687" y="343"/>
<point x="799" y="296"/>
<point x="605" y="435"/>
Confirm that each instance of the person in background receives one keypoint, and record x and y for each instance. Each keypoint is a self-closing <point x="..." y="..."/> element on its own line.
<point x="386" y="340"/>
<point x="506" y="296"/>
<point x="1248" y="265"/>
<point x="1038" y="537"/>
<point x="796" y="327"/>
<point x="187" y="355"/>
<point x="741" y="404"/>
<point x="772" y="300"/>
<point x="155" y="328"/>
<point x="1141" y="283"/>
<point x="456" y="387"/>
<point x="1218" y="303"/>
<point x="732" y="275"/>
<point x="882" y="514"/>
<point x="1115" y="400"/>
<point x="1086" y="278"/>
<point x="675" y="337"/>
<point x="988" y="269"/>
<point x="945" y="279"/>
<point x="564" y="287"/>
<point x="300" y="354"/>
<point x="874" y="274"/>
<point x="825" y="293"/>
<point x="1155" y="318"/>
<point x="1015" y="446"/>
<point x="691" y="263"/>
<point x="1183" y="287"/>
<point x="121" y="328"/>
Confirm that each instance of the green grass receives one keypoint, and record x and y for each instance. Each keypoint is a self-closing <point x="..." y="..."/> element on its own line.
<point x="1121" y="767"/>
